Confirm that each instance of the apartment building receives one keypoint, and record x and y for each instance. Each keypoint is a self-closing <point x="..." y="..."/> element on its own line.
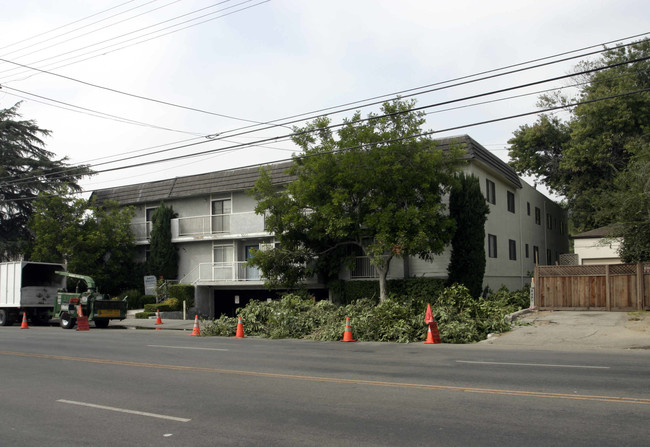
<point x="217" y="230"/>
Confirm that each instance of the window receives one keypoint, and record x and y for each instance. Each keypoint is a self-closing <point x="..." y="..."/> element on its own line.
<point x="223" y="253"/>
<point x="492" y="246"/>
<point x="549" y="258"/>
<point x="149" y="221"/>
<point x="549" y="221"/>
<point x="535" y="254"/>
<point x="538" y="216"/>
<point x="490" y="192"/>
<point x="527" y="252"/>
<point x="221" y="210"/>
<point x="511" y="202"/>
<point x="512" y="249"/>
<point x="528" y="208"/>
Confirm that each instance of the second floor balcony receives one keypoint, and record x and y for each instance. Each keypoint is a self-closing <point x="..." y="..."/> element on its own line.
<point x="216" y="226"/>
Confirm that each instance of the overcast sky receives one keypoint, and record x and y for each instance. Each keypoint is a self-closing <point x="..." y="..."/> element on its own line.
<point x="258" y="61"/>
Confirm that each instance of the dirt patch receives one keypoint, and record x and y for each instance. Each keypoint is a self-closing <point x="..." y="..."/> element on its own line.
<point x="638" y="321"/>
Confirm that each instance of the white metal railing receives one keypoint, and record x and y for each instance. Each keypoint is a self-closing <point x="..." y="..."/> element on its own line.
<point x="226" y="272"/>
<point x="363" y="268"/>
<point x="240" y="223"/>
<point x="141" y="231"/>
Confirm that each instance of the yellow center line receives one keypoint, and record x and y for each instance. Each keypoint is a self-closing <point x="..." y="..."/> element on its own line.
<point x="420" y="386"/>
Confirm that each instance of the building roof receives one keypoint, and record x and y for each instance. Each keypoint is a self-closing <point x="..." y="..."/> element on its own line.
<point x="193" y="185"/>
<point x="474" y="151"/>
<point x="597" y="233"/>
<point x="244" y="178"/>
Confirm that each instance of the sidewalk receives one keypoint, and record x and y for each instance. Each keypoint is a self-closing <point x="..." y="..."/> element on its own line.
<point x="150" y="323"/>
<point x="577" y="330"/>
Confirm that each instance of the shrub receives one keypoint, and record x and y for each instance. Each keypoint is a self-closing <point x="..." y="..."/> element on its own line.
<point x="135" y="299"/>
<point x="143" y="315"/>
<point x="223" y="326"/>
<point x="183" y="292"/>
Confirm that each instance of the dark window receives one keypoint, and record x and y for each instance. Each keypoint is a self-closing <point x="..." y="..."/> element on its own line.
<point x="512" y="249"/>
<point x="536" y="254"/>
<point x="549" y="221"/>
<point x="527" y="252"/>
<point x="538" y="216"/>
<point x="490" y="192"/>
<point x="492" y="246"/>
<point x="528" y="208"/>
<point x="511" y="202"/>
<point x="549" y="258"/>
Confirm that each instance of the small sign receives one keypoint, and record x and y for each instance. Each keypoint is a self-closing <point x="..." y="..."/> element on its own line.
<point x="532" y="293"/>
<point x="236" y="299"/>
<point x="150" y="285"/>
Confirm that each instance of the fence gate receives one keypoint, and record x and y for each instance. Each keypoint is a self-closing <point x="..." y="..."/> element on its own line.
<point x="618" y="287"/>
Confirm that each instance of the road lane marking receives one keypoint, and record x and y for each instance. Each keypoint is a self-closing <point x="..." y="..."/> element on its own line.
<point x="124" y="410"/>
<point x="403" y="385"/>
<point x="188" y="347"/>
<point x="545" y="365"/>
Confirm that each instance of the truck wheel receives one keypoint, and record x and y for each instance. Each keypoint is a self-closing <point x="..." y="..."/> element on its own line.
<point x="102" y="324"/>
<point x="66" y="321"/>
<point x="5" y="318"/>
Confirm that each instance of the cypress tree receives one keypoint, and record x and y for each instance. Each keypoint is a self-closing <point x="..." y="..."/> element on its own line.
<point x="468" y="207"/>
<point x="163" y="256"/>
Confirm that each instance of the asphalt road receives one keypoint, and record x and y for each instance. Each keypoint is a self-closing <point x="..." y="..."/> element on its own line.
<point x="120" y="387"/>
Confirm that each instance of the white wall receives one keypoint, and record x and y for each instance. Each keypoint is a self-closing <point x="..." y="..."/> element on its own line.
<point x="597" y="250"/>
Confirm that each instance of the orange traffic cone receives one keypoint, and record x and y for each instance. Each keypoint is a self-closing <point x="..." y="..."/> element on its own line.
<point x="158" y="320"/>
<point x="196" y="330"/>
<point x="240" y="329"/>
<point x="24" y="325"/>
<point x="433" y="336"/>
<point x="347" y="334"/>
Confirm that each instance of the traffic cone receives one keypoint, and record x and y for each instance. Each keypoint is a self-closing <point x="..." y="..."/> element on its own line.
<point x="82" y="322"/>
<point x="158" y="320"/>
<point x="433" y="336"/>
<point x="240" y="329"/>
<point x="24" y="325"/>
<point x="347" y="334"/>
<point x="196" y="330"/>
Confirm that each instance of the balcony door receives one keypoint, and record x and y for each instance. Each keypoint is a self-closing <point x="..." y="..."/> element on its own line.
<point x="221" y="210"/>
<point x="222" y="267"/>
<point x="252" y="273"/>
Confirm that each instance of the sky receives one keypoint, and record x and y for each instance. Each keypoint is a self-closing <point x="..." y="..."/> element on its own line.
<point x="114" y="80"/>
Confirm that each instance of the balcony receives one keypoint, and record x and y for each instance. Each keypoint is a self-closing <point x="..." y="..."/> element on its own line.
<point x="219" y="226"/>
<point x="223" y="273"/>
<point x="363" y="269"/>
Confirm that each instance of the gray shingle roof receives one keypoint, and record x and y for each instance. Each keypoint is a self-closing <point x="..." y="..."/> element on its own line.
<point x="192" y="185"/>
<point x="244" y="178"/>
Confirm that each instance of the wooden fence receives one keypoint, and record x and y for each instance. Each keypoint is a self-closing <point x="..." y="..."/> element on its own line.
<point x="615" y="287"/>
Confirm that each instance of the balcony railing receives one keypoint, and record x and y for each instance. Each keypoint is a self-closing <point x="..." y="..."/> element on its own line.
<point x="225" y="272"/>
<point x="363" y="268"/>
<point x="201" y="226"/>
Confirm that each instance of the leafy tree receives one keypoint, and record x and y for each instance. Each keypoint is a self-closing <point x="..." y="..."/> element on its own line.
<point x="377" y="186"/>
<point x="27" y="170"/>
<point x="163" y="257"/>
<point x="580" y="158"/>
<point x="632" y="205"/>
<point x="93" y="241"/>
<point x="468" y="207"/>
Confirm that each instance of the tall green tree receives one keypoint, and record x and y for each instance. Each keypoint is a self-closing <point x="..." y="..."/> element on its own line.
<point x="631" y="202"/>
<point x="581" y="157"/>
<point x="27" y="170"/>
<point x="468" y="207"/>
<point x="93" y="241"/>
<point x="376" y="185"/>
<point x="163" y="254"/>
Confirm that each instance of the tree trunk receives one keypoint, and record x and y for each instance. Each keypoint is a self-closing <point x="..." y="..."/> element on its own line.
<point x="383" y="274"/>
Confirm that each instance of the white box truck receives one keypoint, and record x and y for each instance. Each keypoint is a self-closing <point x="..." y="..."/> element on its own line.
<point x="30" y="288"/>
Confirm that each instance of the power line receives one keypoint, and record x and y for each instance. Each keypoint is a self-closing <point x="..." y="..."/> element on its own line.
<point x="285" y="137"/>
<point x="69" y="24"/>
<point x="103" y="52"/>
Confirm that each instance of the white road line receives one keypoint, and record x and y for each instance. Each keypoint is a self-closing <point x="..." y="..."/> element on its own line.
<point x="545" y="365"/>
<point x="122" y="410"/>
<point x="188" y="347"/>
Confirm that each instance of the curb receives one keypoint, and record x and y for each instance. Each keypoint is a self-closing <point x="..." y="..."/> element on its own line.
<point x="513" y="316"/>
